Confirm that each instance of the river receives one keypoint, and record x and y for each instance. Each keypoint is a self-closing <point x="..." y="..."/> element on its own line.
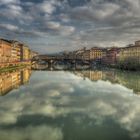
<point x="70" y="105"/>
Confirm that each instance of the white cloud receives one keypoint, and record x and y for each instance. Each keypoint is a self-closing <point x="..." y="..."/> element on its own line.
<point x="67" y="30"/>
<point x="64" y="18"/>
<point x="9" y="2"/>
<point x="59" y="28"/>
<point x="98" y="12"/>
<point x="53" y="25"/>
<point x="47" y="7"/>
<point x="105" y="11"/>
<point x="9" y="27"/>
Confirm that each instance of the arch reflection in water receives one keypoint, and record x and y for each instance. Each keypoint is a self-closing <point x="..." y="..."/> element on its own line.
<point x="13" y="79"/>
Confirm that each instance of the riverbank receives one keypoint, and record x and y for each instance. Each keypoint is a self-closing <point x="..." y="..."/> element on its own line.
<point x="11" y="68"/>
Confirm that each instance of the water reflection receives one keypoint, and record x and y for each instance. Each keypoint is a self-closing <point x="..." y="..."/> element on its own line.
<point x="73" y="105"/>
<point x="131" y="80"/>
<point x="128" y="79"/>
<point x="13" y="79"/>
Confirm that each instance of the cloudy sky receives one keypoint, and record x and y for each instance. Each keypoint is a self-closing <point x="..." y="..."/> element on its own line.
<point x="50" y="26"/>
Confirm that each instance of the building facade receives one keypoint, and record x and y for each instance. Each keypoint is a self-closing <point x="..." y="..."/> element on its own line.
<point x="110" y="56"/>
<point x="13" y="52"/>
<point x="5" y="51"/>
<point x="86" y="55"/>
<point x="95" y="53"/>
<point x="129" y="57"/>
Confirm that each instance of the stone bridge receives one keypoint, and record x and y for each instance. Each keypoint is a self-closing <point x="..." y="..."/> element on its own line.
<point x="52" y="59"/>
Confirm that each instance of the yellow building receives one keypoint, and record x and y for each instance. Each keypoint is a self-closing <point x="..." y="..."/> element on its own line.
<point x="25" y="53"/>
<point x="15" y="52"/>
<point x="5" y="51"/>
<point x="92" y="54"/>
<point x="129" y="57"/>
<point x="96" y="53"/>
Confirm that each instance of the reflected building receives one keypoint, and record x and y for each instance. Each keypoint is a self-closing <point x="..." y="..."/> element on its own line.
<point x="130" y="80"/>
<point x="25" y="76"/>
<point x="95" y="75"/>
<point x="12" y="80"/>
<point x="92" y="75"/>
<point x="129" y="57"/>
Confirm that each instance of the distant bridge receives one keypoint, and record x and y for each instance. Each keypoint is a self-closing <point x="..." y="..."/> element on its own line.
<point x="48" y="58"/>
<point x="51" y="59"/>
<point x="45" y="57"/>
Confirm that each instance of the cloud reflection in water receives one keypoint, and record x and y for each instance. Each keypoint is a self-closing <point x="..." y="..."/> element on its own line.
<point x="58" y="95"/>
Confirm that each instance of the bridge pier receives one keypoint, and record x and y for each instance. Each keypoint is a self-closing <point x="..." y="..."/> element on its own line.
<point x="50" y="63"/>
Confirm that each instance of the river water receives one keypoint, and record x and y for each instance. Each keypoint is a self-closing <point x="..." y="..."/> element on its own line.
<point x="70" y="105"/>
